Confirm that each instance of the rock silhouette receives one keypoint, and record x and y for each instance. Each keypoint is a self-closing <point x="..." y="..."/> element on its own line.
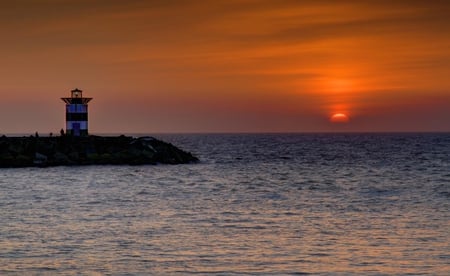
<point x="35" y="151"/>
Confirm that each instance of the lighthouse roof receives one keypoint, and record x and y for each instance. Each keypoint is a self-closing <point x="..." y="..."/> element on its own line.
<point x="76" y="97"/>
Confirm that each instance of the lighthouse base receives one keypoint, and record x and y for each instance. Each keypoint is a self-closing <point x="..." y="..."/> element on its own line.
<point x="77" y="128"/>
<point x="77" y="132"/>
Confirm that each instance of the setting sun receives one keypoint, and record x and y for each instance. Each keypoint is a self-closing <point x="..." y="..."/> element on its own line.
<point x="339" y="118"/>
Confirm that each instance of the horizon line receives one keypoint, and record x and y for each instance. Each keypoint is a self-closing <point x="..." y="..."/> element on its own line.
<point x="47" y="134"/>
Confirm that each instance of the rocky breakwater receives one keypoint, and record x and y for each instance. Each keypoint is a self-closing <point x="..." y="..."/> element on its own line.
<point x="67" y="150"/>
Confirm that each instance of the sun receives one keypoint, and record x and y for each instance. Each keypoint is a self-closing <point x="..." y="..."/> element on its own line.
<point x="339" y="118"/>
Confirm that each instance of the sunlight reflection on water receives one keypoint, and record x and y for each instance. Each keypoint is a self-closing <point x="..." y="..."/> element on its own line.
<point x="255" y="204"/>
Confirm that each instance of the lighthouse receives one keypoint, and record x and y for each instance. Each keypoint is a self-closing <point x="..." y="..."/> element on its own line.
<point x="76" y="113"/>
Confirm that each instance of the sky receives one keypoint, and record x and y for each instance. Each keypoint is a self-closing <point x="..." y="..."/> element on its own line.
<point x="227" y="65"/>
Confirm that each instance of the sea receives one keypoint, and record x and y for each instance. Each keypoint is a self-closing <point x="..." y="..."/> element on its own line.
<point x="255" y="204"/>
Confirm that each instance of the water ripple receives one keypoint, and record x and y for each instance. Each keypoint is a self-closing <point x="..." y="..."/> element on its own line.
<point x="256" y="204"/>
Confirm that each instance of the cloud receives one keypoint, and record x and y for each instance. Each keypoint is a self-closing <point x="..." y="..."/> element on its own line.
<point x="230" y="54"/>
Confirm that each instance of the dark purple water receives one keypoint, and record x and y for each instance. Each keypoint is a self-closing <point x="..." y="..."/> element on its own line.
<point x="275" y="204"/>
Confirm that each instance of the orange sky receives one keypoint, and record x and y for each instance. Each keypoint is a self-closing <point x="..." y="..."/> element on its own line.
<point x="226" y="65"/>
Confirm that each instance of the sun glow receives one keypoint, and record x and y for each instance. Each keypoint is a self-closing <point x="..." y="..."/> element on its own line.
<point x="339" y="118"/>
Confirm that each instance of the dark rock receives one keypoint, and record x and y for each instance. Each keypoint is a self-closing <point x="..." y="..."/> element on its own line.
<point x="40" y="159"/>
<point x="90" y="150"/>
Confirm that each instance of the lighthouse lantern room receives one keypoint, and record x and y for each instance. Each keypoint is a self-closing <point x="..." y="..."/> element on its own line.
<point x="76" y="113"/>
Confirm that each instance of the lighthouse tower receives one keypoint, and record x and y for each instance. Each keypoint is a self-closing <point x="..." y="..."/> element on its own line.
<point x="76" y="113"/>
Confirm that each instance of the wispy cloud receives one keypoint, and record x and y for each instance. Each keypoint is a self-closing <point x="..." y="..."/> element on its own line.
<point x="314" y="55"/>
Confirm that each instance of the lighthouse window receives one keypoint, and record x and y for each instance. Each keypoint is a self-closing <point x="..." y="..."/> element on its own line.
<point x="77" y="108"/>
<point x="82" y="108"/>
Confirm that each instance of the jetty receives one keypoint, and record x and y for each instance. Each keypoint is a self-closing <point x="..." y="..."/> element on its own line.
<point x="69" y="150"/>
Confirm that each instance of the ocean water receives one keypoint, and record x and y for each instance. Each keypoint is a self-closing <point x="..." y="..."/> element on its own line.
<point x="267" y="204"/>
